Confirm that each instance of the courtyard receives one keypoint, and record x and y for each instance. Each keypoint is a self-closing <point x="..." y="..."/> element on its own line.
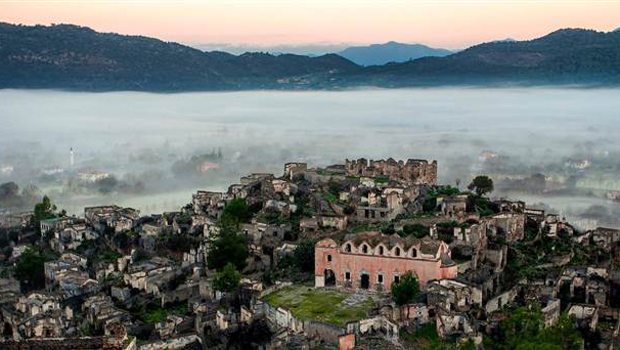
<point x="325" y="305"/>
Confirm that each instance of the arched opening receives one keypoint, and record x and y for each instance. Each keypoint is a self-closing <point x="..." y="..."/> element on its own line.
<point x="347" y="248"/>
<point x="365" y="249"/>
<point x="330" y="278"/>
<point x="329" y="258"/>
<point x="414" y="253"/>
<point x="364" y="281"/>
<point x="380" y="250"/>
<point x="397" y="251"/>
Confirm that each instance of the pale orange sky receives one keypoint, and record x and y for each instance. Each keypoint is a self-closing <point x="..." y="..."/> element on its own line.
<point x="441" y="23"/>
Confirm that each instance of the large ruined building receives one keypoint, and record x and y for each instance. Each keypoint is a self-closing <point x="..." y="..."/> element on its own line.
<point x="372" y="260"/>
<point x="412" y="172"/>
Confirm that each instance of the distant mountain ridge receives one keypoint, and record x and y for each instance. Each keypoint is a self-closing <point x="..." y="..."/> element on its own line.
<point x="78" y="58"/>
<point x="380" y="54"/>
<point x="566" y="56"/>
<point x="73" y="57"/>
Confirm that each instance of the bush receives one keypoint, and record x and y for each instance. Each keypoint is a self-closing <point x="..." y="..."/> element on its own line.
<point x="406" y="290"/>
<point x="228" y="279"/>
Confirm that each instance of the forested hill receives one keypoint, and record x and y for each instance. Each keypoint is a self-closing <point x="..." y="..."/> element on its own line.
<point x="67" y="56"/>
<point x="567" y="56"/>
<point x="78" y="58"/>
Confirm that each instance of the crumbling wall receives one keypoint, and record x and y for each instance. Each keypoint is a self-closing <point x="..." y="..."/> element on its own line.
<point x="413" y="171"/>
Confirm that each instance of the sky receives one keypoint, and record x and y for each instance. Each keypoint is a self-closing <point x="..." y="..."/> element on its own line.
<point x="441" y="23"/>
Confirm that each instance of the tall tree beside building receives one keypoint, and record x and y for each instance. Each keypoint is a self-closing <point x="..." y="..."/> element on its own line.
<point x="304" y="256"/>
<point x="481" y="184"/>
<point x="406" y="290"/>
<point x="229" y="247"/>
<point x="30" y="271"/>
<point x="44" y="210"/>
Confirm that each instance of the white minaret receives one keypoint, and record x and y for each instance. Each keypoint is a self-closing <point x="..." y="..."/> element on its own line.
<point x="71" y="157"/>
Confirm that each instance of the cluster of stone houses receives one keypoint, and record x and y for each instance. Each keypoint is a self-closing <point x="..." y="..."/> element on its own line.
<point x="357" y="214"/>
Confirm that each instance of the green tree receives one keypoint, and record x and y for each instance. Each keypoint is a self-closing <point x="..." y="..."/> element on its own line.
<point x="523" y="323"/>
<point x="406" y="290"/>
<point x="481" y="184"/>
<point x="564" y="334"/>
<point x="44" y="210"/>
<point x="228" y="279"/>
<point x="237" y="210"/>
<point x="228" y="247"/>
<point x="304" y="256"/>
<point x="524" y="329"/>
<point x="30" y="271"/>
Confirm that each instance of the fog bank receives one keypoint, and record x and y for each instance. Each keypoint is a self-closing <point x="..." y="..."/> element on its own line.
<point x="159" y="148"/>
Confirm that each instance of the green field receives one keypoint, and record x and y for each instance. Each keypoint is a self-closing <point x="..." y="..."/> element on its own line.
<point x="308" y="303"/>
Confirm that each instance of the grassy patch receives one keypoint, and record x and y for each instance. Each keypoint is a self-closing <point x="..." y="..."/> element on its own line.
<point x="382" y="179"/>
<point x="308" y="303"/>
<point x="154" y="313"/>
<point x="330" y="197"/>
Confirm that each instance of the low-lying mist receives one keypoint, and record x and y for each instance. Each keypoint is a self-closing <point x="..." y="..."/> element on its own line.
<point x="151" y="151"/>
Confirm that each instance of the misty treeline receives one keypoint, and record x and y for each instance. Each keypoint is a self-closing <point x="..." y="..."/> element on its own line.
<point x="12" y="196"/>
<point x="160" y="148"/>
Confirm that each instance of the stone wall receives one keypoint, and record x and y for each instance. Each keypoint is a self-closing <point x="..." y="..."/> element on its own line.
<point x="413" y="171"/>
<point x="500" y="301"/>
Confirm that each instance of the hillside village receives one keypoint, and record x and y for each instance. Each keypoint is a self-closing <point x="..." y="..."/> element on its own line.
<point x="369" y="254"/>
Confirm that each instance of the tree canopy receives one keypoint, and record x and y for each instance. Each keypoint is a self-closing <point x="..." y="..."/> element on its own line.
<point x="30" y="271"/>
<point x="406" y="290"/>
<point x="237" y="211"/>
<point x="524" y="329"/>
<point x="304" y="256"/>
<point x="228" y="279"/>
<point x="229" y="247"/>
<point x="418" y="230"/>
<point x="481" y="185"/>
<point x="44" y="210"/>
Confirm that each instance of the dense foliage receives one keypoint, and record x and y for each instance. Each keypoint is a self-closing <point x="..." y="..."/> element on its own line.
<point x="237" y="211"/>
<point x="418" y="230"/>
<point x="406" y="290"/>
<point x="30" y="271"/>
<point x="228" y="279"/>
<point x="481" y="185"/>
<point x="304" y="256"/>
<point x="524" y="328"/>
<point x="44" y="210"/>
<point x="228" y="247"/>
<point x="67" y="56"/>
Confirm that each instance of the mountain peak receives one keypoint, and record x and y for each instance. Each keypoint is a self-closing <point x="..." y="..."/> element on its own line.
<point x="570" y="31"/>
<point x="391" y="51"/>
